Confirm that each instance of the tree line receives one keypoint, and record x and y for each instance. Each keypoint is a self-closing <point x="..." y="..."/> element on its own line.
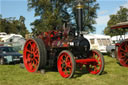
<point x="54" y="13"/>
<point x="13" y="25"/>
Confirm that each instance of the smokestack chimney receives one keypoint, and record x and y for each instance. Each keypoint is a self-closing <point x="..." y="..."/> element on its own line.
<point x="79" y="19"/>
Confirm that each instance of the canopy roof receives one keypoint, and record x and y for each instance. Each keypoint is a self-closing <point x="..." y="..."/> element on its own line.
<point x="120" y="25"/>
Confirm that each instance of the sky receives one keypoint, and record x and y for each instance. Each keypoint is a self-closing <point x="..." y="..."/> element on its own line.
<point x="17" y="8"/>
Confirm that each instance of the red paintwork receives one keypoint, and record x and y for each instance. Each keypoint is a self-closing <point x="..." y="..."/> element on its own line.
<point x="122" y="50"/>
<point x="31" y="56"/>
<point x="123" y="53"/>
<point x="85" y="61"/>
<point x="95" y="67"/>
<point x="57" y="40"/>
<point x="119" y="27"/>
<point x="64" y="65"/>
<point x="117" y="44"/>
<point x="53" y="39"/>
<point x="63" y="42"/>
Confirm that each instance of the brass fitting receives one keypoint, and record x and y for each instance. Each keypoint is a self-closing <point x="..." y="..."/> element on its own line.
<point x="79" y="6"/>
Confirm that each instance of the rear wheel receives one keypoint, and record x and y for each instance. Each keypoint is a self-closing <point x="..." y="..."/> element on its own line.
<point x="98" y="66"/>
<point x="123" y="54"/>
<point x="34" y="56"/>
<point x="66" y="64"/>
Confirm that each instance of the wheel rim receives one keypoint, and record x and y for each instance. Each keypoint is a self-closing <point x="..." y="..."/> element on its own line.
<point x="95" y="67"/>
<point x="123" y="54"/>
<point x="64" y="65"/>
<point x="31" y="56"/>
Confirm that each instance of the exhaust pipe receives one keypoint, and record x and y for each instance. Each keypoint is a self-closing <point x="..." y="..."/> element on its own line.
<point x="79" y="19"/>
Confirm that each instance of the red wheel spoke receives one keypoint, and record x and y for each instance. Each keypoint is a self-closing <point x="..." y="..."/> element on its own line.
<point x="93" y="55"/>
<point x="67" y="59"/>
<point x="123" y="50"/>
<point x="68" y="64"/>
<point x="122" y="57"/>
<point x="34" y="47"/>
<point x="65" y="71"/>
<point x="126" y="61"/>
<point x="96" y="67"/>
<point x="35" y="66"/>
<point x="36" y="51"/>
<point x="28" y="61"/>
<point x="126" y="46"/>
<point x="28" y="51"/>
<point x="31" y="55"/>
<point x="123" y="53"/>
<point x="31" y="67"/>
<point x="30" y="43"/>
<point x="36" y="61"/>
<point x="65" y="66"/>
<point x="36" y="55"/>
<point x="62" y="61"/>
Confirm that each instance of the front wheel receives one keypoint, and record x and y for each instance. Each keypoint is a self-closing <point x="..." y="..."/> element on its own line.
<point x="66" y="64"/>
<point x="98" y="66"/>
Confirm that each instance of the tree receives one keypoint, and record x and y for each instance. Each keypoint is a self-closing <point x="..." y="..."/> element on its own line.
<point x="11" y="25"/>
<point x="53" y="13"/>
<point x="90" y="7"/>
<point x="120" y="16"/>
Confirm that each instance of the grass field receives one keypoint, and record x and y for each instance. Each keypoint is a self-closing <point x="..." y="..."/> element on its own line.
<point x="114" y="74"/>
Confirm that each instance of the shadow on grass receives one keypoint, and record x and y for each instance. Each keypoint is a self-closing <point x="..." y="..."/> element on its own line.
<point x="119" y="63"/>
<point x="78" y="72"/>
<point x="84" y="71"/>
<point x="104" y="73"/>
<point x="81" y="73"/>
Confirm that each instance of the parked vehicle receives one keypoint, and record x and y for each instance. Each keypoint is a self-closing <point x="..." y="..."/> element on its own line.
<point x="99" y="42"/>
<point x="121" y="47"/>
<point x="9" y="55"/>
<point x="64" y="50"/>
<point x="15" y="40"/>
<point x="111" y="50"/>
<point x="115" y="39"/>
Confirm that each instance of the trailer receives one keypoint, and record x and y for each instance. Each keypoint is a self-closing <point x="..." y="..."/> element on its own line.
<point x="98" y="41"/>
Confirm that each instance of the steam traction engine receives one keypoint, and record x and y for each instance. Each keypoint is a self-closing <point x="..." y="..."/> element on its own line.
<point x="63" y="50"/>
<point x="121" y="47"/>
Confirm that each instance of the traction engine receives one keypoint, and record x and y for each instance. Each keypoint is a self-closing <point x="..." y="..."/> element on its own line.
<point x="64" y="50"/>
<point x="121" y="48"/>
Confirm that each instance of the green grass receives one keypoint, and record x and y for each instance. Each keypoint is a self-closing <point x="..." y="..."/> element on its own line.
<point x="114" y="74"/>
